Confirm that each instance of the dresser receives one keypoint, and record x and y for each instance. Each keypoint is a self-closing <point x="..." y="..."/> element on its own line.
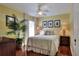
<point x="7" y="46"/>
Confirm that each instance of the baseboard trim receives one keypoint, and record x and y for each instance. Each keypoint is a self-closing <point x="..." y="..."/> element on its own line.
<point x="72" y="51"/>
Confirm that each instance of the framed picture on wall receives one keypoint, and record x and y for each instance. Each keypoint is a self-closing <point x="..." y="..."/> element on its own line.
<point x="57" y="23"/>
<point x="50" y="23"/>
<point x="9" y="19"/>
<point x="44" y="24"/>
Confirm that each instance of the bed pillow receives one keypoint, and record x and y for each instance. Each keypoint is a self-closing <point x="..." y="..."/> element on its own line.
<point x="49" y="33"/>
<point x="41" y="32"/>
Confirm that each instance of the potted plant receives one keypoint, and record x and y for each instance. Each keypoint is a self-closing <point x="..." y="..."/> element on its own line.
<point x="16" y="28"/>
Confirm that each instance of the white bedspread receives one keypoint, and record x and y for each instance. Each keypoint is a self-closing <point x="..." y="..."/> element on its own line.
<point x="47" y="42"/>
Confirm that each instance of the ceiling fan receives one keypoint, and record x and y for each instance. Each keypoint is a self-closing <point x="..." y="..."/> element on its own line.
<point x="42" y="9"/>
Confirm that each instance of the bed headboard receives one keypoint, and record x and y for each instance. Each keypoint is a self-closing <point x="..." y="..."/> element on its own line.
<point x="48" y="32"/>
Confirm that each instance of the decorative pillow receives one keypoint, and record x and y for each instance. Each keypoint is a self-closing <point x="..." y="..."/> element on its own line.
<point x="41" y="32"/>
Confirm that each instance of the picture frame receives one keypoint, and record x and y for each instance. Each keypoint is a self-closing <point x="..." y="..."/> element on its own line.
<point x="44" y="24"/>
<point x="50" y="24"/>
<point x="57" y="23"/>
<point x="9" y="19"/>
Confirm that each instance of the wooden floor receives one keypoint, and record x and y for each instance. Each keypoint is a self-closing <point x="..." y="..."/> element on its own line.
<point x="20" y="53"/>
<point x="28" y="53"/>
<point x="31" y="53"/>
<point x="63" y="51"/>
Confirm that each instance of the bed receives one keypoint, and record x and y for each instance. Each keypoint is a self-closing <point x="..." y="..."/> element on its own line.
<point x="44" y="44"/>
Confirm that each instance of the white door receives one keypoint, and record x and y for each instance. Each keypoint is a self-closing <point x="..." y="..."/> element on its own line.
<point x="76" y="28"/>
<point x="76" y="34"/>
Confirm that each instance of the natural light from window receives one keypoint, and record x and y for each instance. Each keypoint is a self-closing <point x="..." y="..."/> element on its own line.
<point x="31" y="28"/>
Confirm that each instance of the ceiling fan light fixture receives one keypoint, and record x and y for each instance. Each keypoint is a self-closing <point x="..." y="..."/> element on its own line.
<point x="40" y="13"/>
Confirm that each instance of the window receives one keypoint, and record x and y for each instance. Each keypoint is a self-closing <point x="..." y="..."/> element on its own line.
<point x="31" y="28"/>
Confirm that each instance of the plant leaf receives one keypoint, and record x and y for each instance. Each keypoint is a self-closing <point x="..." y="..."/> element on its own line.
<point x="11" y="32"/>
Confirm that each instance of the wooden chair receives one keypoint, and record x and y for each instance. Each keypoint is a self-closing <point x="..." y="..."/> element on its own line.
<point x="64" y="46"/>
<point x="64" y="41"/>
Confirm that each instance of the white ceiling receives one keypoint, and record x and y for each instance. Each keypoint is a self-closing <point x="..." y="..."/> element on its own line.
<point x="31" y="8"/>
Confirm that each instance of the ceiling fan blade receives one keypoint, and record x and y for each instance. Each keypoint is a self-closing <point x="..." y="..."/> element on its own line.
<point x="45" y="10"/>
<point x="39" y="6"/>
<point x="44" y="14"/>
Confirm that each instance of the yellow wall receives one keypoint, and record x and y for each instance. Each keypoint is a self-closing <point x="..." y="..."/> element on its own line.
<point x="7" y="11"/>
<point x="65" y="18"/>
